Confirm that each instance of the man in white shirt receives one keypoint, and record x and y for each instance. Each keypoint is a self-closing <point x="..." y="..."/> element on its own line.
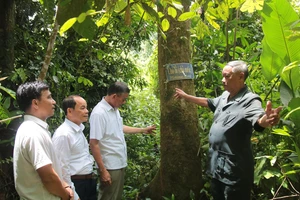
<point x="37" y="172"/>
<point x="108" y="143"/>
<point x="73" y="149"/>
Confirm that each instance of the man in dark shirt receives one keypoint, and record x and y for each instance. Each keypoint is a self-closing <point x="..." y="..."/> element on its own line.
<point x="236" y="112"/>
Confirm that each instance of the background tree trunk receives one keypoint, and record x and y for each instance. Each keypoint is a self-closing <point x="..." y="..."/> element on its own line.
<point x="180" y="167"/>
<point x="7" y="24"/>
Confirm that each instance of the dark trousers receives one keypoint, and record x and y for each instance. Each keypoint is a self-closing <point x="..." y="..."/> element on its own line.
<point x="221" y="191"/>
<point x="86" y="188"/>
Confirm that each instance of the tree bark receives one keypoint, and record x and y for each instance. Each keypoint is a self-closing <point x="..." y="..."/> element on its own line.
<point x="7" y="24"/>
<point x="49" y="52"/>
<point x="180" y="167"/>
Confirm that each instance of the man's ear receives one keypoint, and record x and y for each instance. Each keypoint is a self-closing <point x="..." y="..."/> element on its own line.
<point x="35" y="103"/>
<point x="242" y="75"/>
<point x="69" y="110"/>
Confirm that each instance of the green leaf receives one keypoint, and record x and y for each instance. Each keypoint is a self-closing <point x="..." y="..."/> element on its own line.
<point x="212" y="20"/>
<point x="281" y="132"/>
<point x="186" y="16"/>
<point x="286" y="94"/>
<point x="291" y="66"/>
<point x="68" y="24"/>
<point x="81" y="17"/>
<point x="150" y="11"/>
<point x="276" y="17"/>
<point x="165" y="25"/>
<point x="103" y="20"/>
<point x="273" y="161"/>
<point x="86" y="29"/>
<point x="103" y="39"/>
<point x="294" y="114"/>
<point x="252" y="5"/>
<point x="271" y="62"/>
<point x="9" y="91"/>
<point x="223" y="11"/>
<point x="291" y="78"/>
<point x="172" y="12"/>
<point x="120" y="5"/>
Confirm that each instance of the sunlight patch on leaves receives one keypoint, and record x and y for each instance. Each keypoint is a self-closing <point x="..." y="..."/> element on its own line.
<point x="172" y="12"/>
<point x="67" y="25"/>
<point x="165" y="25"/>
<point x="252" y="5"/>
<point x="186" y="16"/>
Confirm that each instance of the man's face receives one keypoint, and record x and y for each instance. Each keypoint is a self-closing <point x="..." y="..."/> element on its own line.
<point x="45" y="105"/>
<point x="231" y="81"/>
<point x="120" y="99"/>
<point x="80" y="113"/>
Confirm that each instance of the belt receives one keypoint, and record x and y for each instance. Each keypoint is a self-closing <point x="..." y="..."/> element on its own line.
<point x="84" y="176"/>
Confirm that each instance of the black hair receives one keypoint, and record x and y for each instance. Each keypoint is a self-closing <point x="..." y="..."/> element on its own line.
<point x="29" y="91"/>
<point x="69" y="102"/>
<point x="118" y="88"/>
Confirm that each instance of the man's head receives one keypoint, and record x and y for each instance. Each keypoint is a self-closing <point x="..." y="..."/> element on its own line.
<point x="117" y="94"/>
<point x="234" y="75"/>
<point x="34" y="98"/>
<point x="75" y="108"/>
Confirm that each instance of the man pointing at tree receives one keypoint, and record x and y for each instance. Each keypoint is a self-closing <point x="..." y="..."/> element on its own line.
<point x="236" y="113"/>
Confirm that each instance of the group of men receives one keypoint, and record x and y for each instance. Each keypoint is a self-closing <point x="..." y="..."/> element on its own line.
<point x="46" y="170"/>
<point x="61" y="167"/>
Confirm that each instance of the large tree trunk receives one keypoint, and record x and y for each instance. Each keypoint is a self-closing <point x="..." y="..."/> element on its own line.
<point x="180" y="168"/>
<point x="7" y="24"/>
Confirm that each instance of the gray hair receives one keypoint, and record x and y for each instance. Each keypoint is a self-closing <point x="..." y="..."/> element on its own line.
<point x="239" y="66"/>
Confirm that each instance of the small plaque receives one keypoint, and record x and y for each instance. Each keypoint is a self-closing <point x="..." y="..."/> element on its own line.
<point x="179" y="71"/>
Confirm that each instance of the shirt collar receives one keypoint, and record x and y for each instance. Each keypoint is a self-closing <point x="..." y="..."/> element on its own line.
<point x="107" y="106"/>
<point x="239" y="95"/>
<point x="75" y="126"/>
<point x="36" y="120"/>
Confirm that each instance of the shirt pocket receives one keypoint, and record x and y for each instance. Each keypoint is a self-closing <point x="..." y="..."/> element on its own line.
<point x="229" y="120"/>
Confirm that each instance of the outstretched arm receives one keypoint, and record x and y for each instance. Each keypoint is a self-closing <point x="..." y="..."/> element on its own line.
<point x="132" y="130"/>
<point x="180" y="94"/>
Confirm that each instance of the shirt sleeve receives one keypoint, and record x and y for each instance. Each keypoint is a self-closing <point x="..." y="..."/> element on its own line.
<point x="97" y="126"/>
<point x="213" y="103"/>
<point x="36" y="152"/>
<point x="253" y="111"/>
<point x="62" y="146"/>
<point x="63" y="151"/>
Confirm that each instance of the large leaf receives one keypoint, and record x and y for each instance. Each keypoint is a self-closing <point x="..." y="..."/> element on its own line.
<point x="150" y="11"/>
<point x="286" y="94"/>
<point x="290" y="74"/>
<point x="271" y="62"/>
<point x="276" y="17"/>
<point x="8" y="91"/>
<point x="70" y="8"/>
<point x="86" y="29"/>
<point x="294" y="114"/>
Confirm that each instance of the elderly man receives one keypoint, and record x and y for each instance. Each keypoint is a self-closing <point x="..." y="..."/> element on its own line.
<point x="73" y="149"/>
<point x="37" y="171"/>
<point x="236" y="112"/>
<point x="108" y="143"/>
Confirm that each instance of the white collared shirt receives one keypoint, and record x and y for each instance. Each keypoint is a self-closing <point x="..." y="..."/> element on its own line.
<point x="33" y="149"/>
<point x="106" y="125"/>
<point x="73" y="150"/>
